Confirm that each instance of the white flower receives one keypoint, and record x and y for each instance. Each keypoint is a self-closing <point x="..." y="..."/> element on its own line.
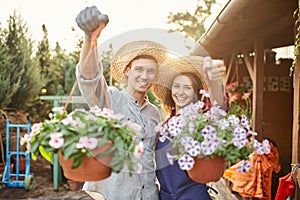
<point x="210" y="145"/>
<point x="90" y="143"/>
<point x="262" y="148"/>
<point x="68" y="120"/>
<point x="234" y="120"/>
<point x="56" y="140"/>
<point x="36" y="127"/>
<point x="186" y="162"/>
<point x="58" y="109"/>
<point x="175" y="125"/>
<point x="193" y="148"/>
<point x="244" y="167"/>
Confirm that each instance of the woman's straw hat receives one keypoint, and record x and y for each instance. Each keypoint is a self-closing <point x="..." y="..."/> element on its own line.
<point x="133" y="49"/>
<point x="175" y="66"/>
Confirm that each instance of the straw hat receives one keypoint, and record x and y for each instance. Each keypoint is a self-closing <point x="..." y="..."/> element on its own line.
<point x="133" y="49"/>
<point x="175" y="66"/>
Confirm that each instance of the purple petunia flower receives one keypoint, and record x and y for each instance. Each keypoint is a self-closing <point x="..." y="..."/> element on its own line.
<point x="186" y="162"/>
<point x="244" y="167"/>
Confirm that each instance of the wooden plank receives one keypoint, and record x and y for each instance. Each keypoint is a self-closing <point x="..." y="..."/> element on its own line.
<point x="248" y="64"/>
<point x="258" y="87"/>
<point x="232" y="61"/>
<point x="296" y="114"/>
<point x="296" y="127"/>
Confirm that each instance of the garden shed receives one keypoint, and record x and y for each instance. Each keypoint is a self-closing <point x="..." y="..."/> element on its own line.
<point x="244" y="35"/>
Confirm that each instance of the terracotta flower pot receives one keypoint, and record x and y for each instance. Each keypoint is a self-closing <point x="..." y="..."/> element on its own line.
<point x="74" y="185"/>
<point x="207" y="170"/>
<point x="91" y="169"/>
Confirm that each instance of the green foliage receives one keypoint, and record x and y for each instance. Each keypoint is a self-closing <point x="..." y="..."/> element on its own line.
<point x="17" y="66"/>
<point x="192" y="24"/>
<point x="106" y="57"/>
<point x="202" y="131"/>
<point x="81" y="133"/>
<point x="50" y="64"/>
<point x="8" y="88"/>
<point x="70" y="68"/>
<point x="296" y="15"/>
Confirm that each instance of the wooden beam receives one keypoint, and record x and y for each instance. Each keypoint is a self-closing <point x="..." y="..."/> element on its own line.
<point x="248" y="64"/>
<point x="296" y="118"/>
<point x="232" y="59"/>
<point x="258" y="87"/>
<point x="296" y="127"/>
<point x="296" y="114"/>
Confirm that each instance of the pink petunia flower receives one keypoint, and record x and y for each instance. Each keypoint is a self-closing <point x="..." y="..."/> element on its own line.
<point x="138" y="150"/>
<point x="56" y="140"/>
<point x="90" y="143"/>
<point x="36" y="127"/>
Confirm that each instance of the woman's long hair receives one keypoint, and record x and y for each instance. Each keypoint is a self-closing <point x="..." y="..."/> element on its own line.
<point x="168" y="103"/>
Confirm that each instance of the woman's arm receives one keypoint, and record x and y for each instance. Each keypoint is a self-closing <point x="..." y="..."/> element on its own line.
<point x="215" y="75"/>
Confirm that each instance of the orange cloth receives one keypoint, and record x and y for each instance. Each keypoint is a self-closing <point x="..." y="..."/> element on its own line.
<point x="257" y="181"/>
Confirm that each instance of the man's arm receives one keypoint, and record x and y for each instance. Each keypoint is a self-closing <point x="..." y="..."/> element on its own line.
<point x="92" y="22"/>
<point x="89" y="69"/>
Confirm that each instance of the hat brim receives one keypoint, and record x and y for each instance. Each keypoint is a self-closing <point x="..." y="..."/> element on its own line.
<point x="175" y="66"/>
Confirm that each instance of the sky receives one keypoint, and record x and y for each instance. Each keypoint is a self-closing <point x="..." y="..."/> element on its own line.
<point x="129" y="20"/>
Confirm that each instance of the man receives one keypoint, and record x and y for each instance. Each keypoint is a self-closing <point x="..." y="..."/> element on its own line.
<point x="136" y="65"/>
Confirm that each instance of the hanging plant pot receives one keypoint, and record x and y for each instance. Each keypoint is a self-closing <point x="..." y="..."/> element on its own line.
<point x="207" y="170"/>
<point x="91" y="169"/>
<point x="74" y="185"/>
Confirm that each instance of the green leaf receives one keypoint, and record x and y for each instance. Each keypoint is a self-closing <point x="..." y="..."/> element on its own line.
<point x="47" y="155"/>
<point x="34" y="146"/>
<point x="69" y="150"/>
<point x="77" y="162"/>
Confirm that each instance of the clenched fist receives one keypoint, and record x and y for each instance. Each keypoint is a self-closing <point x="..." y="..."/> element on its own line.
<point x="215" y="69"/>
<point x="90" y="19"/>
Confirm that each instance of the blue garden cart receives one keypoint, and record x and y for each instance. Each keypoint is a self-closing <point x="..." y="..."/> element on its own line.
<point x="16" y="178"/>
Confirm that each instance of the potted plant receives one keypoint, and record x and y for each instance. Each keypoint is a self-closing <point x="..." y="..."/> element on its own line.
<point x="212" y="136"/>
<point x="80" y="137"/>
<point x="237" y="91"/>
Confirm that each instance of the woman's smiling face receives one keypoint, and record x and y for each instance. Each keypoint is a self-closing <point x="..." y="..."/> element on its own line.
<point x="183" y="92"/>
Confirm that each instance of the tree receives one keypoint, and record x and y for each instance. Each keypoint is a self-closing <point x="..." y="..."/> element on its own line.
<point x="22" y="71"/>
<point x="59" y="74"/>
<point x="8" y="88"/>
<point x="51" y="66"/>
<point x="70" y="67"/>
<point x="192" y="25"/>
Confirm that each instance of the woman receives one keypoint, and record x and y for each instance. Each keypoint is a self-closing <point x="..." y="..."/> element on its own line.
<point x="179" y="84"/>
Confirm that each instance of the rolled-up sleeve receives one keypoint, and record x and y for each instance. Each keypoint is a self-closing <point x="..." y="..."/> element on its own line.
<point x="92" y="90"/>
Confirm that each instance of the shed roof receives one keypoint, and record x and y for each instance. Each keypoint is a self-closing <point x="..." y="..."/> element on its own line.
<point x="240" y="22"/>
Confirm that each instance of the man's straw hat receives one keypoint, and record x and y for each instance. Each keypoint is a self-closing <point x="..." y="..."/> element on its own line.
<point x="133" y="49"/>
<point x="175" y="66"/>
